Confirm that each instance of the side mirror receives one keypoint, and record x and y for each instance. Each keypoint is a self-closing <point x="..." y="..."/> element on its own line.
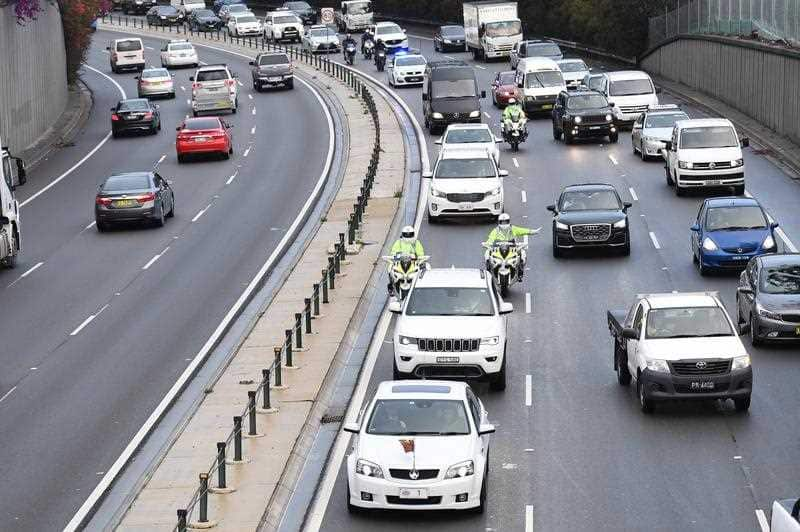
<point x="113" y="109"/>
<point x="506" y="308"/>
<point x="191" y="78"/>
<point x="486" y="428"/>
<point x="659" y="90"/>
<point x="424" y="97"/>
<point x="498" y="140"/>
<point x="695" y="228"/>
<point x="438" y="141"/>
<point x="773" y="225"/>
<point x="395" y="307"/>
<point x="108" y="48"/>
<point x="483" y="94"/>
<point x="503" y="173"/>
<point x="352" y="428"/>
<point x="252" y="63"/>
<point x="427" y="175"/>
<point x="178" y="128"/>
<point x="135" y="77"/>
<point x="629" y="333"/>
<point x="637" y="126"/>
<point x="552" y="208"/>
<point x="23" y="176"/>
<point x="612" y="104"/>
<point x="156" y="106"/>
<point x="745" y="142"/>
<point x="4" y="220"/>
<point x="519" y="86"/>
<point x="627" y="205"/>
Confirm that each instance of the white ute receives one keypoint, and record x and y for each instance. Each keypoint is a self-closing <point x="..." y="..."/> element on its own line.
<point x="11" y="176"/>
<point x="452" y="325"/>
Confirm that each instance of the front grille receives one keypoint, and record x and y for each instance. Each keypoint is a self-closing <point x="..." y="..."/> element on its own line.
<point x="290" y="32"/>
<point x="424" y="474"/>
<point x="712" y="166"/>
<point x="447" y="345"/>
<point x="599" y="120"/>
<point x="590" y="232"/>
<point x="700" y="367"/>
<point x="633" y="109"/>
<point x="503" y="47"/>
<point x="393" y="499"/>
<point x="472" y="197"/>
<point x="541" y="98"/>
<point x="393" y="42"/>
<point x="704" y="177"/>
<point x="791" y="318"/>
<point x="745" y="248"/>
<point x="456" y="117"/>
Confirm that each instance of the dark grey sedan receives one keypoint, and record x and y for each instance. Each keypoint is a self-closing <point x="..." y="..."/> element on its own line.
<point x="133" y="197"/>
<point x="450" y="38"/>
<point x="768" y="298"/>
<point x="135" y="115"/>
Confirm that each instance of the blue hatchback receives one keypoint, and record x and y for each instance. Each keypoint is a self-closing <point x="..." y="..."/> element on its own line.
<point x="729" y="232"/>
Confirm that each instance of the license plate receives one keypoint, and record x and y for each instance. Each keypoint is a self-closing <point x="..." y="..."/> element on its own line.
<point x="465" y="206"/>
<point x="413" y="493"/>
<point x="200" y="139"/>
<point x="547" y="106"/>
<point x="274" y="78"/>
<point x="703" y="385"/>
<point x="595" y="127"/>
<point x="134" y="116"/>
<point x="737" y="257"/>
<point x="213" y="89"/>
<point x="447" y="360"/>
<point x="125" y="203"/>
<point x="714" y="182"/>
<point x="130" y="57"/>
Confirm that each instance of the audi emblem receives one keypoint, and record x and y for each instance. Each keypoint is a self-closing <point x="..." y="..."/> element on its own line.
<point x="700" y="365"/>
<point x="413" y="474"/>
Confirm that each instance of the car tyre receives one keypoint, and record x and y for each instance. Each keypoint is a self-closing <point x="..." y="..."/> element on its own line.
<point x="497" y="382"/>
<point x="181" y="158"/>
<point x="171" y="213"/>
<point x="626" y="249"/>
<point x="478" y="510"/>
<point x="290" y="85"/>
<point x="568" y="138"/>
<point x="647" y="406"/>
<point x="351" y="508"/>
<point x="702" y="268"/>
<point x="643" y="154"/>
<point x="623" y="373"/>
<point x="668" y="175"/>
<point x="742" y="404"/>
<point x="102" y="227"/>
<point x="679" y="190"/>
<point x="755" y="341"/>
<point x="614" y="138"/>
<point x="160" y="220"/>
<point x="398" y="375"/>
<point x="556" y="133"/>
<point x="738" y="190"/>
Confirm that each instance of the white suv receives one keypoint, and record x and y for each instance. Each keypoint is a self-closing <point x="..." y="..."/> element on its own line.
<point x="705" y="152"/>
<point x="452" y="325"/>
<point x="214" y="87"/>
<point x="283" y="26"/>
<point x="465" y="182"/>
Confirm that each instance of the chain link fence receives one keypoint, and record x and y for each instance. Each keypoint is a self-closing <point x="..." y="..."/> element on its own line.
<point x="773" y="20"/>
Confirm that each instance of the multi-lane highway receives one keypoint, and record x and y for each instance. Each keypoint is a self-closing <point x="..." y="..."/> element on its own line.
<point x="97" y="327"/>
<point x="572" y="449"/>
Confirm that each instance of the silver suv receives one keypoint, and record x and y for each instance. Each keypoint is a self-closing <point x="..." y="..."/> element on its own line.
<point x="214" y="87"/>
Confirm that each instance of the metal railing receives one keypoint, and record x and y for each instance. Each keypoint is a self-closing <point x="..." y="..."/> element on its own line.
<point x="773" y="20"/>
<point x="259" y="401"/>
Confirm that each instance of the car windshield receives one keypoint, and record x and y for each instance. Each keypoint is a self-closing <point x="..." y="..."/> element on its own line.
<point x="359" y="8"/>
<point x="589" y="200"/>
<point x="320" y="32"/>
<point x="663" y="120"/>
<point x="687" y="322"/>
<point x="276" y="59"/>
<point x="389" y="28"/>
<point x="121" y="183"/>
<point x="197" y="124"/>
<point x="781" y="279"/>
<point x="418" y="417"/>
<point x="452" y="31"/>
<point x="549" y="78"/>
<point x="449" y="301"/>
<point x="410" y="61"/>
<point x="203" y="13"/>
<point x="181" y="46"/>
<point x="735" y="218"/>
<point x="238" y="8"/>
<point x="468" y="136"/>
<point x="507" y="78"/>
<point x="573" y="66"/>
<point x="587" y="101"/>
<point x="465" y="168"/>
<point x="246" y="19"/>
<point x="212" y="75"/>
<point x="134" y="105"/>
<point x="286" y="19"/>
<point x="508" y="28"/>
<point x="155" y="73"/>
<point x="298" y="5"/>
<point x="631" y="87"/>
<point x="166" y="10"/>
<point x="708" y="137"/>
<point x="129" y="46"/>
<point x="453" y="88"/>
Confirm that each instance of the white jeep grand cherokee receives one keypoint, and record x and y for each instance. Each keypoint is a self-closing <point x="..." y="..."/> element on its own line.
<point x="452" y="325"/>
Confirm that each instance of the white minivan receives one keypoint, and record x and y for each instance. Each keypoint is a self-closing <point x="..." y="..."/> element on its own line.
<point x="187" y="6"/>
<point x="541" y="82"/>
<point x="631" y="92"/>
<point x="126" y="54"/>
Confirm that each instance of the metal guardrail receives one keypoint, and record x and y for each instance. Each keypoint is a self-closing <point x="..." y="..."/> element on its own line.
<point x="283" y="355"/>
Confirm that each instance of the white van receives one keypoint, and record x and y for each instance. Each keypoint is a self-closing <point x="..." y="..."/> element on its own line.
<point x="187" y="6"/>
<point x="126" y="54"/>
<point x="631" y="91"/>
<point x="541" y="82"/>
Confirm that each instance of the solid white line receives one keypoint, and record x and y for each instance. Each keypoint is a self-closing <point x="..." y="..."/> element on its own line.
<point x="527" y="303"/>
<point x="253" y="130"/>
<point x="451" y="58"/>
<point x="183" y="88"/>
<point x="201" y="213"/>
<point x="529" y="518"/>
<point x="487" y="115"/>
<point x="203" y="62"/>
<point x="188" y="102"/>
<point x="524" y="196"/>
<point x="613" y="159"/>
<point x="247" y="151"/>
<point x="201" y="356"/>
<point x="515" y="161"/>
<point x="654" y="240"/>
<point x="86" y="322"/>
<point x="762" y="520"/>
<point x="528" y="390"/>
<point x="85" y="157"/>
<point x="633" y="194"/>
<point x="151" y="262"/>
<point x="9" y="392"/>
<point x="34" y="268"/>
<point x="161" y="159"/>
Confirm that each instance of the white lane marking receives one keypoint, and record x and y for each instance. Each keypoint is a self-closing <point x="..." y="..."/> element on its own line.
<point x="9" y="392"/>
<point x="528" y="390"/>
<point x="250" y="96"/>
<point x="154" y="259"/>
<point x="451" y="58"/>
<point x="254" y="110"/>
<point x="253" y="130"/>
<point x="247" y="151"/>
<point x="189" y="103"/>
<point x="203" y="62"/>
<point x="90" y="225"/>
<point x="524" y="196"/>
<point x="487" y="115"/>
<point x="240" y="83"/>
<point x="527" y="303"/>
<point x="515" y="161"/>
<point x="149" y="48"/>
<point x="183" y="88"/>
<point x="88" y="320"/>
<point x="161" y="159"/>
<point x="30" y="271"/>
<point x="169" y="397"/>
<point x="654" y="240"/>
<point x="633" y="194"/>
<point x="106" y="52"/>
<point x="231" y="178"/>
<point x="762" y="520"/>
<point x="481" y="67"/>
<point x="525" y="240"/>
<point x="529" y="518"/>
<point x="85" y="157"/>
<point x="613" y="159"/>
<point x="201" y="213"/>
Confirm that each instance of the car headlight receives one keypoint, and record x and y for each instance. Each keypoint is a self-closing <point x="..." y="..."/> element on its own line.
<point x="657" y="365"/>
<point x="737" y="162"/>
<point x="164" y="17"/>
<point x="562" y="226"/>
<point x="741" y="362"/>
<point x="438" y="115"/>
<point x="685" y="165"/>
<point x="620" y="224"/>
<point x="407" y="340"/>
<point x="461" y="470"/>
<point x="709" y="244"/>
<point x="609" y="118"/>
<point x="437" y="193"/>
<point x="475" y="114"/>
<point x="577" y="120"/>
<point x="368" y="469"/>
<point x="446" y="41"/>
<point x="495" y="192"/>
<point x="768" y="243"/>
<point x="491" y="340"/>
<point x="764" y="313"/>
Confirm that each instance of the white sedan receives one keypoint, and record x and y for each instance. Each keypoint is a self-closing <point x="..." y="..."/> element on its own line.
<point x="245" y="25"/>
<point x="406" y="69"/>
<point x="471" y="136"/>
<point x="420" y="445"/>
<point x="179" y="53"/>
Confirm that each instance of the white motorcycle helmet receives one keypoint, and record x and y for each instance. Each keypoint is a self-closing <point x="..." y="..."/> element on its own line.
<point x="504" y="222"/>
<point x="512" y="101"/>
<point x="408" y="235"/>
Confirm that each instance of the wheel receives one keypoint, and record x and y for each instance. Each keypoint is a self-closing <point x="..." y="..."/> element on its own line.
<point x="670" y="181"/>
<point x="556" y="133"/>
<point x="10" y="262"/>
<point x="226" y="155"/>
<point x="645" y="404"/>
<point x="494" y="100"/>
<point x="290" y="84"/>
<point x="504" y="286"/>
<point x="702" y="268"/>
<point x="482" y="501"/>
<point x="755" y="341"/>
<point x="568" y="138"/>
<point x="114" y="69"/>
<point x="743" y="404"/>
<point x="433" y="220"/>
<point x="497" y="382"/>
<point x="181" y="158"/>
<point x="633" y="147"/>
<point x="679" y="190"/>
<point x="738" y="190"/>
<point x="626" y="249"/>
<point x="114" y="134"/>
<point x="644" y="155"/>
<point x="159" y="221"/>
<point x="256" y="86"/>
<point x="171" y="213"/>
<point x="102" y="227"/>
<point x="194" y="113"/>
<point x="623" y="373"/>
<point x="403" y="293"/>
<point x="742" y="326"/>
<point x="614" y="138"/>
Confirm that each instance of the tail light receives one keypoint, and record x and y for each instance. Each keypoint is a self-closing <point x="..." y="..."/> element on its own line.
<point x="114" y="117"/>
<point x="230" y="82"/>
<point x="197" y="85"/>
<point x="144" y="198"/>
<point x="102" y="201"/>
<point x="114" y="55"/>
<point x="148" y="114"/>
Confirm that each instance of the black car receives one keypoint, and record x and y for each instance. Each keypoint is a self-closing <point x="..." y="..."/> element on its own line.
<point x="135" y="115"/>
<point x="204" y="20"/>
<point x="133" y="197"/>
<point x="590" y="215"/>
<point x="137" y="6"/>
<point x="583" y="114"/>
<point x="163" y="16"/>
<point x="768" y="298"/>
<point x="450" y="38"/>
<point x="271" y="69"/>
<point x="450" y="95"/>
<point x="306" y="13"/>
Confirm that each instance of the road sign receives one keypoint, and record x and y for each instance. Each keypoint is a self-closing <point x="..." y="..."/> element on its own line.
<point x="326" y="15"/>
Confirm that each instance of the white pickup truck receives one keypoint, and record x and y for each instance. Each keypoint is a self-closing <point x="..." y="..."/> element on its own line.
<point x="680" y="346"/>
<point x="11" y="176"/>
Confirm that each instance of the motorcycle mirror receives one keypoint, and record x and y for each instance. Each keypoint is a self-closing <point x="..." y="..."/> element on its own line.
<point x="503" y="173"/>
<point x="496" y="139"/>
<point x="483" y="94"/>
<point x="438" y="141"/>
<point x="627" y="205"/>
<point x="427" y="175"/>
<point x="395" y="307"/>
<point x="424" y="97"/>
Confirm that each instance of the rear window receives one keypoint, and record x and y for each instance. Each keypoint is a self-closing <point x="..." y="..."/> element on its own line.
<point x="203" y="13"/>
<point x="410" y="61"/>
<point x="469" y="136"/>
<point x="181" y="46"/>
<point x="573" y="66"/>
<point x="453" y="31"/>
<point x="155" y="73"/>
<point x="291" y="19"/>
<point x="279" y="59"/>
<point x="388" y="29"/>
<point x="664" y="120"/>
<point x="202" y="123"/>
<point x="133" y="105"/>
<point x="129" y="46"/>
<point x="119" y="183"/>
<point x="212" y="75"/>
<point x="245" y="19"/>
<point x="238" y="8"/>
<point x="508" y="78"/>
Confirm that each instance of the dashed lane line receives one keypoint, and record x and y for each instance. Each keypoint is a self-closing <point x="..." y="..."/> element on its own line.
<point x="529" y="518"/>
<point x="528" y="390"/>
<point x="253" y="130"/>
<point x="88" y="320"/>
<point x="27" y="273"/>
<point x="201" y="213"/>
<point x="654" y="240"/>
<point x="613" y="159"/>
<point x="231" y="178"/>
<point x="487" y="115"/>
<point x="154" y="259"/>
<point x="515" y="161"/>
<point x="254" y="111"/>
<point x="250" y="96"/>
<point x="524" y="196"/>
<point x="527" y="303"/>
<point x="149" y="48"/>
<point x="762" y="520"/>
<point x="9" y="392"/>
<point x="247" y="151"/>
<point x="633" y="194"/>
<point x="480" y="67"/>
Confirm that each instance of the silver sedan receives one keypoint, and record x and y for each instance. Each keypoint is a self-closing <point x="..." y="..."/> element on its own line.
<point x="155" y="82"/>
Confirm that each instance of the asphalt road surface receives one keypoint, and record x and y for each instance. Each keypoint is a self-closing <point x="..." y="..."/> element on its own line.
<point x="74" y="390"/>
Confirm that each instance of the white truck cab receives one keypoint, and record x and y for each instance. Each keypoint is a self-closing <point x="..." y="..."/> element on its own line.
<point x="541" y="81"/>
<point x="12" y="175"/>
<point x="354" y="15"/>
<point x="492" y="28"/>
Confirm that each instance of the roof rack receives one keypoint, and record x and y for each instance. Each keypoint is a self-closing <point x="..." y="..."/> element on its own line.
<point x="707" y="293"/>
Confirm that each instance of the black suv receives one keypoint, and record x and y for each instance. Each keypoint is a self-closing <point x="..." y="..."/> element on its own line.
<point x="137" y="7"/>
<point x="271" y="69"/>
<point x="583" y="113"/>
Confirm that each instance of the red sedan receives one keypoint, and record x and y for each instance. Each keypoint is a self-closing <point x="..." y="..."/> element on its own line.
<point x="504" y="87"/>
<point x="208" y="134"/>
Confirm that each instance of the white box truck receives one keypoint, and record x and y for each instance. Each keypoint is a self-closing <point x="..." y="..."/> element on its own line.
<point x="491" y="28"/>
<point x="354" y="15"/>
<point x="11" y="176"/>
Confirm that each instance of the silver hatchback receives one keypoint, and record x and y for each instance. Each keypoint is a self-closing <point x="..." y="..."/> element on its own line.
<point x="155" y="82"/>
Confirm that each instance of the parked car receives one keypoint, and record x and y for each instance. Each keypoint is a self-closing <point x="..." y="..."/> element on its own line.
<point x="126" y="54"/>
<point x="164" y="16"/>
<point x="573" y="70"/>
<point x="471" y="137"/>
<point x="179" y="53"/>
<point x="271" y="69"/>
<point x="768" y="298"/>
<point x="204" y="20"/>
<point x="135" y="115"/>
<point x="133" y="197"/>
<point x="583" y="114"/>
<point x="206" y="135"/>
<point x="406" y="69"/>
<point x="450" y="39"/>
<point x="653" y="129"/>
<point x="504" y="86"/>
<point x="155" y="82"/>
<point x="728" y="232"/>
